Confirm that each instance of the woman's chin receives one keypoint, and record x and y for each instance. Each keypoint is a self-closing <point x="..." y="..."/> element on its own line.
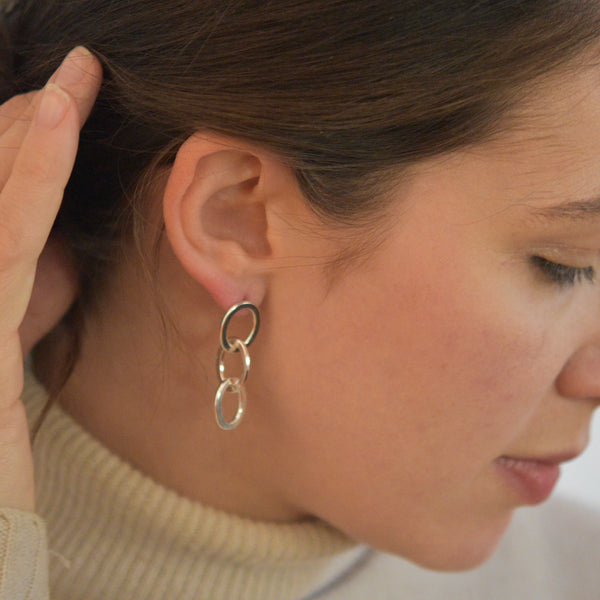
<point x="455" y="558"/>
<point x="454" y="549"/>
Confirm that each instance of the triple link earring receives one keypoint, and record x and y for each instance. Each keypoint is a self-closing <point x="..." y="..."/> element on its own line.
<point x="233" y="345"/>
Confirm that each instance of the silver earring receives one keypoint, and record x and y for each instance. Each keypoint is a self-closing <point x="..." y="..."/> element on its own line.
<point x="234" y="385"/>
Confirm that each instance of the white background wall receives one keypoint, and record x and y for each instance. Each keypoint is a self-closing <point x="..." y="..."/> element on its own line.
<point x="581" y="477"/>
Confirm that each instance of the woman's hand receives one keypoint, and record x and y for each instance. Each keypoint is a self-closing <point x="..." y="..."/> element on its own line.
<point x="39" y="134"/>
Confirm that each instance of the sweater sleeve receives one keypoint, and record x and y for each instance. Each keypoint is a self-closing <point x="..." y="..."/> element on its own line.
<point x="23" y="556"/>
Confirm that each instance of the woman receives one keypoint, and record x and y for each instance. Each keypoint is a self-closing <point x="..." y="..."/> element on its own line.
<point x="382" y="216"/>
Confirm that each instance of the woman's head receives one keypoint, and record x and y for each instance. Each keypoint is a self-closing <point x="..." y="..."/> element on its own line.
<point x="342" y="91"/>
<point x="276" y="139"/>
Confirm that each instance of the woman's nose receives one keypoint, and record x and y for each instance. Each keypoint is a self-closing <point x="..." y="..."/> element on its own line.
<point x="580" y="377"/>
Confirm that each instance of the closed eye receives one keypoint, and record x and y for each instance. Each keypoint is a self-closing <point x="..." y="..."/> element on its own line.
<point x="563" y="275"/>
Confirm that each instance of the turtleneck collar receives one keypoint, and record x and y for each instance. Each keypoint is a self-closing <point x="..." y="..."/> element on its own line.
<point x="114" y="533"/>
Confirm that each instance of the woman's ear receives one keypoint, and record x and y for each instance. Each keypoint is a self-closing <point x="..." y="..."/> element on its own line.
<point x="54" y="291"/>
<point x="216" y="205"/>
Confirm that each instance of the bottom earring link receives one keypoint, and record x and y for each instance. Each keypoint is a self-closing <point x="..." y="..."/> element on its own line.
<point x="230" y="386"/>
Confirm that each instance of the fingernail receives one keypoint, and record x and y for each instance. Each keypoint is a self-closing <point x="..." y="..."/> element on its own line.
<point x="73" y="67"/>
<point x="53" y="106"/>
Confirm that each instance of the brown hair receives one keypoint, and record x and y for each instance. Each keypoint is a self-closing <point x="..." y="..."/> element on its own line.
<point x="342" y="90"/>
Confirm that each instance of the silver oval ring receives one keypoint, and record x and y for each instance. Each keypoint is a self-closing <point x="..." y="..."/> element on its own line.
<point x="224" y="340"/>
<point x="238" y="346"/>
<point x="233" y="386"/>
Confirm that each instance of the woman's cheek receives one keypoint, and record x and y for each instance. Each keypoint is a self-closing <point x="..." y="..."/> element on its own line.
<point x="476" y="361"/>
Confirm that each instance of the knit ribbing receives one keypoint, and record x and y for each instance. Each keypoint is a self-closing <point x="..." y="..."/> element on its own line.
<point x="22" y="542"/>
<point x="115" y="533"/>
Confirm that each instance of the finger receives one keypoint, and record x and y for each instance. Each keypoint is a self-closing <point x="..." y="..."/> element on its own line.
<point x="14" y="123"/>
<point x="33" y="193"/>
<point x="16" y="120"/>
<point x="80" y="75"/>
<point x="13" y="111"/>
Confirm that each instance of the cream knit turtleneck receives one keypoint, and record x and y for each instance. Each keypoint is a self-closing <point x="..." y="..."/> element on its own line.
<point x="116" y="534"/>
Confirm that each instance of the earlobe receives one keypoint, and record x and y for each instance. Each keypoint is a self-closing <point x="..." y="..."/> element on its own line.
<point x="215" y="212"/>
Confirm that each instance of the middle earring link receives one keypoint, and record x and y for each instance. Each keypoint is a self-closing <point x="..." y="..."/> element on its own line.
<point x="237" y="346"/>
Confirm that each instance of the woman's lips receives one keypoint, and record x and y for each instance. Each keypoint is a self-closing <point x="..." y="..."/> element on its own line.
<point x="533" y="479"/>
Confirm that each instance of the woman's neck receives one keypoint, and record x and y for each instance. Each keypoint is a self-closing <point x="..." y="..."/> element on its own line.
<point x="144" y="393"/>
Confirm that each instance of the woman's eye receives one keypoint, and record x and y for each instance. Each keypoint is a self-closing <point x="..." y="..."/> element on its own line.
<point x="563" y="275"/>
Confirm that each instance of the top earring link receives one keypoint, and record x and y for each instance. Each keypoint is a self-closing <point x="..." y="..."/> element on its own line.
<point x="226" y="342"/>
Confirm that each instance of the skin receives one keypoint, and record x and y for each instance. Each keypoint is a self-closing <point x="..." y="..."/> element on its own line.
<point x="379" y="402"/>
<point x="38" y="149"/>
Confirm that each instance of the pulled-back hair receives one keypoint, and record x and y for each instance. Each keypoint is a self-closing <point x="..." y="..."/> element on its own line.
<point x="343" y="90"/>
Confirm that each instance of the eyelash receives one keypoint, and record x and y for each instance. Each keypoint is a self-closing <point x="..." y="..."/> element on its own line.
<point x="563" y="275"/>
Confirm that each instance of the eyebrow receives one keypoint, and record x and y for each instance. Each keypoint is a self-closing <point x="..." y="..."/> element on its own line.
<point x="574" y="210"/>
